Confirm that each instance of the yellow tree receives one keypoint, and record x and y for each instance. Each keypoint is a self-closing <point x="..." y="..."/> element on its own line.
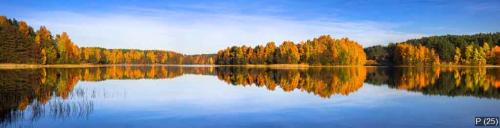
<point x="119" y="56"/>
<point x="407" y="54"/>
<point x="269" y="52"/>
<point x="458" y="55"/>
<point x="288" y="53"/>
<point x="162" y="57"/>
<point x="469" y="51"/>
<point x="151" y="57"/>
<point x="68" y="52"/>
<point x="44" y="39"/>
<point x="109" y="56"/>
<point x="97" y="55"/>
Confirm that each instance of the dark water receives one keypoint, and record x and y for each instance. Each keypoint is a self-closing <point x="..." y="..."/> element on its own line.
<point x="247" y="97"/>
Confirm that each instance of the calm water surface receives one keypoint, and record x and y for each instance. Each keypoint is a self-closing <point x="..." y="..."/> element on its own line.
<point x="165" y="96"/>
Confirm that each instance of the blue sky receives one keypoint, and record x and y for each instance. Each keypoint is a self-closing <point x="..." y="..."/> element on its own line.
<point x="209" y="25"/>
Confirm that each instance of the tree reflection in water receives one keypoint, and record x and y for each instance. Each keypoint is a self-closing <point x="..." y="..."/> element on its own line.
<point x="35" y="93"/>
<point x="323" y="82"/>
<point x="467" y="81"/>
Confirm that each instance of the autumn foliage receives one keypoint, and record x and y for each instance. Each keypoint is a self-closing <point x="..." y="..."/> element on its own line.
<point x="407" y="54"/>
<point x="323" y="82"/>
<point x="21" y="44"/>
<point x="476" y="49"/>
<point x="22" y="88"/>
<point x="323" y="50"/>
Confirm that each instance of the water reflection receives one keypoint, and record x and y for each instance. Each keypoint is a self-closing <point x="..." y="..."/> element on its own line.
<point x="323" y="82"/>
<point x="477" y="82"/>
<point x="31" y="94"/>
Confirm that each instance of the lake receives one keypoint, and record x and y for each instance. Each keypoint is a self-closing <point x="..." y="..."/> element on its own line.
<point x="199" y="96"/>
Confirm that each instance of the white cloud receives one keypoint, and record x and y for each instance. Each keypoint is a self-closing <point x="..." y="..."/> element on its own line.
<point x="197" y="32"/>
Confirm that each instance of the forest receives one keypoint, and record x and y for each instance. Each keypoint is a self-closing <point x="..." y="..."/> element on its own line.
<point x="21" y="44"/>
<point x="477" y="49"/>
<point x="323" y="50"/>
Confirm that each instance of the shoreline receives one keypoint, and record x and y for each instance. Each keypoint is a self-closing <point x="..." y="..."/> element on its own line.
<point x="26" y="66"/>
<point x="284" y="66"/>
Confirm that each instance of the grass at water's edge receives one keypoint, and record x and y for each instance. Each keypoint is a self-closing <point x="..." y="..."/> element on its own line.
<point x="21" y="66"/>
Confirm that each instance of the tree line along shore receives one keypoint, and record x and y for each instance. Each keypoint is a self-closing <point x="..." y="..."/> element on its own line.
<point x="21" y="46"/>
